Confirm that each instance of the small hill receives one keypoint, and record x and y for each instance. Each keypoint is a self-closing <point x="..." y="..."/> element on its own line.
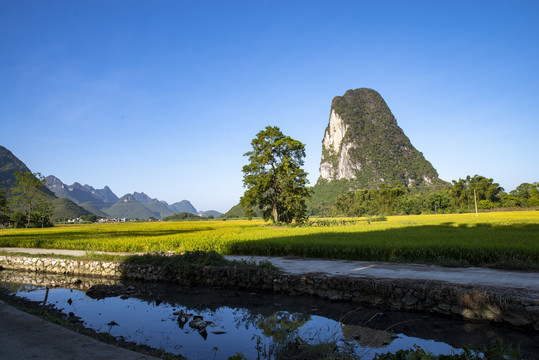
<point x="183" y="206"/>
<point x="184" y="216"/>
<point x="237" y="211"/>
<point x="209" y="213"/>
<point x="130" y="208"/>
<point x="91" y="208"/>
<point x="65" y="208"/>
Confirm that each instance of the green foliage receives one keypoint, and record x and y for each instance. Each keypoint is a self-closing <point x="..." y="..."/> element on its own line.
<point x="396" y="199"/>
<point x="509" y="201"/>
<point x="485" y="204"/>
<point x="462" y="191"/>
<point x="526" y="194"/>
<point x="5" y="212"/>
<point x="183" y="216"/>
<point x="192" y="260"/>
<point x="324" y="194"/>
<point x="274" y="179"/>
<point x="29" y="197"/>
<point x="382" y="201"/>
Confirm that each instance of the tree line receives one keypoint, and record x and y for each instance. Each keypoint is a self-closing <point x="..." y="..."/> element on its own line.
<point x="457" y="197"/>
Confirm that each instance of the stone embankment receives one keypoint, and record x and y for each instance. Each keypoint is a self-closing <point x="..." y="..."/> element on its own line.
<point x="516" y="307"/>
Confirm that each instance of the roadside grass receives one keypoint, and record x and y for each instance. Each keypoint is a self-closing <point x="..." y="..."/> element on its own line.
<point x="508" y="240"/>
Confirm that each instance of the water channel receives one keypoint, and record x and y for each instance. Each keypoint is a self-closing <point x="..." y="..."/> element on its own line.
<point x="208" y="323"/>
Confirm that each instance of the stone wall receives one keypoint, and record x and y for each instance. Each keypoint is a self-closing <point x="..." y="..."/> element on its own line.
<point x="516" y="307"/>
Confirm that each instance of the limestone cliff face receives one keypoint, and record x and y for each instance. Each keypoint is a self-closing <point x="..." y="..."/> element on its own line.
<point x="333" y="144"/>
<point x="364" y="144"/>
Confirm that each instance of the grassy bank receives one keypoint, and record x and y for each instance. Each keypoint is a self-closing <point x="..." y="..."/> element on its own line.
<point x="497" y="239"/>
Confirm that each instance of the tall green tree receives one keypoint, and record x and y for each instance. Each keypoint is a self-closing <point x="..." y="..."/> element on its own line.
<point x="486" y="190"/>
<point x="274" y="179"/>
<point x="27" y="195"/>
<point x="527" y="194"/>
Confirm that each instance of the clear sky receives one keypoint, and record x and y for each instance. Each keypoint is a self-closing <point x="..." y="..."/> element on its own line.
<point x="165" y="96"/>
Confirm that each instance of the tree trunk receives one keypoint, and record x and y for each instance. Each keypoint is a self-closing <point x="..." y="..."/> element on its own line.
<point x="275" y="214"/>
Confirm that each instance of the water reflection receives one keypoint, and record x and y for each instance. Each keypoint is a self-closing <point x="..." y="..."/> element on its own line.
<point x="202" y="323"/>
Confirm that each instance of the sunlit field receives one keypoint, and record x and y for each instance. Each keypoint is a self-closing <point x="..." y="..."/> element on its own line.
<point x="498" y="239"/>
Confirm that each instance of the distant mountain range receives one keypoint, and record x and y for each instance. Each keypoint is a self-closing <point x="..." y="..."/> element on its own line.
<point x="10" y="164"/>
<point x="104" y="203"/>
<point x="71" y="201"/>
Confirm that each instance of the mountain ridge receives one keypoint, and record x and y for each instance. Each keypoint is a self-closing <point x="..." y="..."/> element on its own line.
<point x="99" y="201"/>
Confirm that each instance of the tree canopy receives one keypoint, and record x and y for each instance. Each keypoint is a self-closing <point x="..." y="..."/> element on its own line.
<point x="274" y="179"/>
<point x="28" y="197"/>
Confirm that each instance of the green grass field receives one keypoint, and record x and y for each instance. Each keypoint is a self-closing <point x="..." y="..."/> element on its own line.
<point x="498" y="239"/>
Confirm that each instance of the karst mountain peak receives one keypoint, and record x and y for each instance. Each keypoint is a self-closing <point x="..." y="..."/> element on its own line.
<point x="364" y="145"/>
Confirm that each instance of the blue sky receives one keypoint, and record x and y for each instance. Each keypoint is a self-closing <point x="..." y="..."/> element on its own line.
<point x="165" y="96"/>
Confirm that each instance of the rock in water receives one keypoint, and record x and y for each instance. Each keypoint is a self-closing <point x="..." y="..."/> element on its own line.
<point x="364" y="145"/>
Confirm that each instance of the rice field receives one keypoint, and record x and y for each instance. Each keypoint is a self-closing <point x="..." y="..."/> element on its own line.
<point x="497" y="239"/>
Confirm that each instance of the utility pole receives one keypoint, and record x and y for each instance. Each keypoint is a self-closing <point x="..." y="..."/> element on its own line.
<point x="475" y="199"/>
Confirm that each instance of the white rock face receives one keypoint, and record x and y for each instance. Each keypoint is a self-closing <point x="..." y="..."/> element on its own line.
<point x="335" y="132"/>
<point x="333" y="143"/>
<point x="346" y="168"/>
<point x="326" y="170"/>
<point x="427" y="180"/>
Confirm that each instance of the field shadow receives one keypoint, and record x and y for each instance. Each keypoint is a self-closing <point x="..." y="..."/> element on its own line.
<point x="503" y="246"/>
<point x="74" y="235"/>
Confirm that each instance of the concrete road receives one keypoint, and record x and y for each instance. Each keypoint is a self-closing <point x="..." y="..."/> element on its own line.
<point x="463" y="276"/>
<point x="25" y="336"/>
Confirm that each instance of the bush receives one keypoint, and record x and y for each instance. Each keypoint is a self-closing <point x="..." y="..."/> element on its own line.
<point x="485" y="204"/>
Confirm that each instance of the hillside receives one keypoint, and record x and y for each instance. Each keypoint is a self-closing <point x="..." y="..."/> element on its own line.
<point x="9" y="165"/>
<point x="65" y="208"/>
<point x="237" y="211"/>
<point x="91" y="208"/>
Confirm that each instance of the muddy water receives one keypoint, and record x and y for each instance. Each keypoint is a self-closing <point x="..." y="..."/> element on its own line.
<point x="202" y="323"/>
